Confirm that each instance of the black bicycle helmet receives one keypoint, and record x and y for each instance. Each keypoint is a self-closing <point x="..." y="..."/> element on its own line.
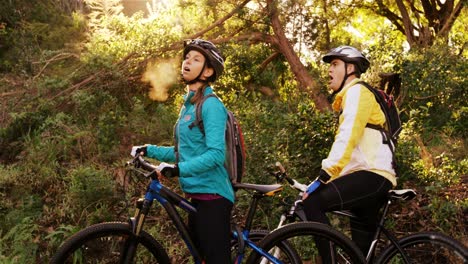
<point x="211" y="53"/>
<point x="348" y="54"/>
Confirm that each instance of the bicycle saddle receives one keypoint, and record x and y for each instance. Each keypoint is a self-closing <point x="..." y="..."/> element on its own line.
<point x="404" y="194"/>
<point x="268" y="189"/>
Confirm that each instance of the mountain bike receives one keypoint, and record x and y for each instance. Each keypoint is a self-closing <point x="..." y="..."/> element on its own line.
<point x="420" y="247"/>
<point x="128" y="242"/>
<point x="348" y="251"/>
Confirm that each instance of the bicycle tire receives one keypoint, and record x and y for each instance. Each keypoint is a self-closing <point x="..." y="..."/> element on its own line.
<point x="102" y="243"/>
<point x="286" y="249"/>
<point x="301" y="235"/>
<point x="426" y="247"/>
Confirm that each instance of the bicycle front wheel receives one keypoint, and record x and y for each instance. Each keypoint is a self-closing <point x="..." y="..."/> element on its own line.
<point x="109" y="243"/>
<point x="313" y="242"/>
<point x="426" y="247"/>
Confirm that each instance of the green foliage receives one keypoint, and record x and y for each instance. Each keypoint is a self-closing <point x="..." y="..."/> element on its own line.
<point x="448" y="171"/>
<point x="151" y="122"/>
<point x="30" y="28"/>
<point x="19" y="128"/>
<point x="434" y="79"/>
<point x="116" y="36"/>
<point x="62" y="232"/>
<point x="458" y="36"/>
<point x="89" y="192"/>
<point x="407" y="154"/>
<point x="20" y="243"/>
<point x="291" y="132"/>
<point x="66" y="139"/>
<point x="243" y="67"/>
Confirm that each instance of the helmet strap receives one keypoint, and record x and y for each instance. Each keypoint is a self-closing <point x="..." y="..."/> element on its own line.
<point x="344" y="80"/>
<point x="196" y="79"/>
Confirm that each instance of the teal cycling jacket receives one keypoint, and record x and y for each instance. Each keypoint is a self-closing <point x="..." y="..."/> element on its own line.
<point x="201" y="157"/>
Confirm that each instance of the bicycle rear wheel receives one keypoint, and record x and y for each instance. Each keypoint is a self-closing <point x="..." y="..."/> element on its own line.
<point x="302" y="236"/>
<point x="285" y="251"/>
<point x="107" y="243"/>
<point x="426" y="247"/>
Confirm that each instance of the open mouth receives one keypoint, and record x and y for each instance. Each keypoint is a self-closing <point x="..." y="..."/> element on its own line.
<point x="186" y="69"/>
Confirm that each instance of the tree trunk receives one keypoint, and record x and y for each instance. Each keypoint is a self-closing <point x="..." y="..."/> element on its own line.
<point x="439" y="19"/>
<point x="407" y="24"/>
<point x="306" y="83"/>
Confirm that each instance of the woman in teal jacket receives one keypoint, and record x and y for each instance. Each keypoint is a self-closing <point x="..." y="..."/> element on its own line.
<point x="198" y="158"/>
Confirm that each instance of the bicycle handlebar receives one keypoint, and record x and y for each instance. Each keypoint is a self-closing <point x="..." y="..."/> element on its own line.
<point x="140" y="162"/>
<point x="282" y="175"/>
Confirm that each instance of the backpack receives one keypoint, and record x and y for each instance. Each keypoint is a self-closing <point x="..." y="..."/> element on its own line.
<point x="392" y="118"/>
<point x="235" y="147"/>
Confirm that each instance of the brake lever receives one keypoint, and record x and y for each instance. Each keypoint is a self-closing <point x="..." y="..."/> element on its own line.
<point x="135" y="161"/>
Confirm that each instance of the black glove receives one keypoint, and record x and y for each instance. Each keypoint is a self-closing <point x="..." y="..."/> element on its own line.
<point x="170" y="171"/>
<point x="142" y="151"/>
<point x="323" y="176"/>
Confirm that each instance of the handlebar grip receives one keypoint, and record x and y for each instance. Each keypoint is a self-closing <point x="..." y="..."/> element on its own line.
<point x="146" y="165"/>
<point x="280" y="167"/>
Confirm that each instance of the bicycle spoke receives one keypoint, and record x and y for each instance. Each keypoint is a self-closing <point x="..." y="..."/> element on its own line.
<point x="106" y="250"/>
<point x="313" y="243"/>
<point x="427" y="248"/>
<point x="109" y="243"/>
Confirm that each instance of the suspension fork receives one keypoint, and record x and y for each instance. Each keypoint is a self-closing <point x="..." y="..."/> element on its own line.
<point x="130" y="246"/>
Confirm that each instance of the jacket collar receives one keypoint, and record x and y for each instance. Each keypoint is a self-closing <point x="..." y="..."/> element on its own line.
<point x="339" y="96"/>
<point x="190" y="94"/>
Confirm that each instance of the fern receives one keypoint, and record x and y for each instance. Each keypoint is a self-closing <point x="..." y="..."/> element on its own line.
<point x="20" y="243"/>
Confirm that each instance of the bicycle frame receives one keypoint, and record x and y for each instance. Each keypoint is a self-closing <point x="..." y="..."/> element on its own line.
<point x="170" y="200"/>
<point x="294" y="212"/>
<point x="380" y="229"/>
<point x="269" y="190"/>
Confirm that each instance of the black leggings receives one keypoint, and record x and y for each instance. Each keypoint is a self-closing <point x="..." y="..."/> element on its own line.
<point x="361" y="192"/>
<point x="210" y="229"/>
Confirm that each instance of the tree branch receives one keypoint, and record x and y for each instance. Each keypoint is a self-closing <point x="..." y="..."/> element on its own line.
<point x="268" y="60"/>
<point x="57" y="57"/>
<point x="220" y="21"/>
<point x="306" y="82"/>
<point x="408" y="26"/>
<point x="451" y="19"/>
<point x="394" y="18"/>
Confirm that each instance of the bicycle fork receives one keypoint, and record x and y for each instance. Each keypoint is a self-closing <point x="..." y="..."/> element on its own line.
<point x="136" y="222"/>
<point x="276" y="250"/>
<point x="295" y="211"/>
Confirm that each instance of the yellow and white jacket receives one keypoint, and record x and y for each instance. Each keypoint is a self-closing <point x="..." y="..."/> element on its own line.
<point x="357" y="147"/>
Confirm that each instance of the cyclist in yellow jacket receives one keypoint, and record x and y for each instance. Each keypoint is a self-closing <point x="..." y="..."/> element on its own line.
<point x="358" y="172"/>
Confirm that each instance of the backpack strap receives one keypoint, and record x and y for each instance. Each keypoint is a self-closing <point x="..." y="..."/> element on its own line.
<point x="384" y="131"/>
<point x="373" y="126"/>
<point x="198" y="113"/>
<point x="390" y="143"/>
<point x="176" y="142"/>
<point x="386" y="137"/>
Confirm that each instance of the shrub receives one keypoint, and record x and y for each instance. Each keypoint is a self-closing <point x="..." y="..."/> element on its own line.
<point x="90" y="190"/>
<point x="20" y="242"/>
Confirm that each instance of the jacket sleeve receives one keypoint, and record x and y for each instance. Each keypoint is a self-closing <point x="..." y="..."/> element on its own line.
<point x="356" y="110"/>
<point x="214" y="116"/>
<point x="165" y="154"/>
